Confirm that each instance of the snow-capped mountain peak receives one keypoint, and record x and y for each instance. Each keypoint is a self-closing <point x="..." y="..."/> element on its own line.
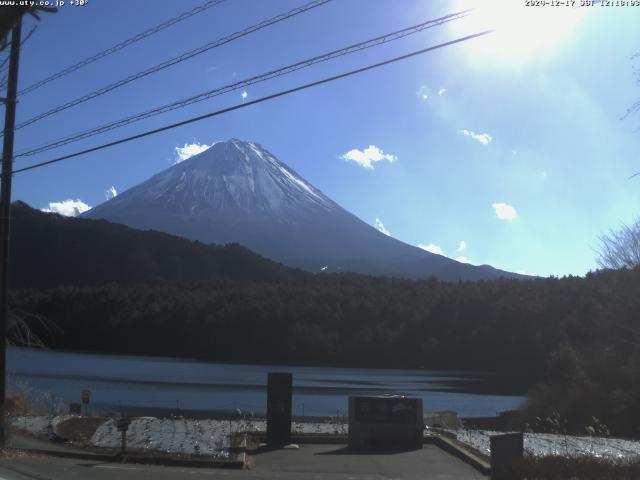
<point x="239" y="192"/>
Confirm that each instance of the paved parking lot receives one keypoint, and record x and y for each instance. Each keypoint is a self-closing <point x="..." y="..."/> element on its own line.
<point x="334" y="461"/>
<point x="308" y="462"/>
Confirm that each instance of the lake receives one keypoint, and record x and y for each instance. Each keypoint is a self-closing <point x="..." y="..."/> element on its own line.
<point x="158" y="385"/>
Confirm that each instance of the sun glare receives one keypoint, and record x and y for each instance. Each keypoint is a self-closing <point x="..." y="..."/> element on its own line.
<point x="521" y="32"/>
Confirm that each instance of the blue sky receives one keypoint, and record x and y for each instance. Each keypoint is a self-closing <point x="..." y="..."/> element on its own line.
<point x="508" y="150"/>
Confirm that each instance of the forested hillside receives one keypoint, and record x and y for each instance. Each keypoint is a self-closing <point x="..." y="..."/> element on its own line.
<point x="348" y="320"/>
<point x="48" y="250"/>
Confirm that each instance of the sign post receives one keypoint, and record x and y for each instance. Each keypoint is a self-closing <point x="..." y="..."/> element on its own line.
<point x="279" y="391"/>
<point x="123" y="425"/>
<point x="86" y="394"/>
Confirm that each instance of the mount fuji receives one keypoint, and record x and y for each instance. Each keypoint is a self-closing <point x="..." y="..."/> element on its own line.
<point x="238" y="192"/>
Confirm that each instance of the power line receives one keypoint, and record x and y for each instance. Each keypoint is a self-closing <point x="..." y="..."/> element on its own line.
<point x="26" y="38"/>
<point x="253" y="102"/>
<point x="244" y="83"/>
<point x="180" y="58"/>
<point x="4" y="67"/>
<point x="121" y="45"/>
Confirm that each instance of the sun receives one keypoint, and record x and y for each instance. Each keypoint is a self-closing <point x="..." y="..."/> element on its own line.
<point x="521" y="32"/>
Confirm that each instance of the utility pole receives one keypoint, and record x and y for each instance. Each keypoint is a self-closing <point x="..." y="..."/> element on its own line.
<point x="5" y="214"/>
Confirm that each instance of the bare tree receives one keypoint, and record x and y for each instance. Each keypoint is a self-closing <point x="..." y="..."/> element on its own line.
<point x="635" y="108"/>
<point x="620" y="248"/>
<point x="20" y="334"/>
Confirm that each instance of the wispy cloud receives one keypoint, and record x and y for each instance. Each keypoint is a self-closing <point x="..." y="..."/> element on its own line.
<point x="504" y="211"/>
<point x="423" y="92"/>
<point x="442" y="91"/>
<point x="437" y="249"/>
<point x="111" y="193"/>
<point x="483" y="138"/>
<point x="68" y="208"/>
<point x="380" y="226"/>
<point x="367" y="157"/>
<point x="189" y="150"/>
<point x="432" y="248"/>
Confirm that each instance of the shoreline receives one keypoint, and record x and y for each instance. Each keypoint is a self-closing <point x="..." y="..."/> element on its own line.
<point x="163" y="358"/>
<point x="469" y="381"/>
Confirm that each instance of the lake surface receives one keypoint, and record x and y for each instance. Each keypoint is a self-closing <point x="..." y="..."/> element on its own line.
<point x="168" y="385"/>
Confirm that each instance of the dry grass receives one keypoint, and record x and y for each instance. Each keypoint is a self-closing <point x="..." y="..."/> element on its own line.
<point x="79" y="430"/>
<point x="11" y="454"/>
<point x="25" y="400"/>
<point x="18" y="404"/>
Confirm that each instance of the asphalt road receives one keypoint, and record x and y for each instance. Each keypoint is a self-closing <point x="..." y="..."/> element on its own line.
<point x="310" y="462"/>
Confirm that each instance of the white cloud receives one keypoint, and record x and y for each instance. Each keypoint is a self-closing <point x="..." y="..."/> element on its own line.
<point x="483" y="138"/>
<point x="68" y="208"/>
<point x="367" y="157"/>
<point x="439" y="251"/>
<point x="189" y="150"/>
<point x="505" y="211"/>
<point x="380" y="226"/>
<point x="423" y="92"/>
<point x="432" y="248"/>
<point x="442" y="91"/>
<point x="111" y="193"/>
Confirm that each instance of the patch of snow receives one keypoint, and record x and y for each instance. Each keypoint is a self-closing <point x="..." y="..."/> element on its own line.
<point x="175" y="436"/>
<point x="280" y="170"/>
<point x="182" y="182"/>
<point x="260" y="153"/>
<point x="542" y="444"/>
<point x="36" y="425"/>
<point x="188" y="436"/>
<point x="299" y="182"/>
<point x="330" y="427"/>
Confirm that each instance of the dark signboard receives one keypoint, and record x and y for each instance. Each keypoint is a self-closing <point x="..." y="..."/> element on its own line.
<point x="385" y="410"/>
<point x="85" y="396"/>
<point x="385" y="423"/>
<point x="506" y="455"/>
<point x="279" y="391"/>
<point x="75" y="408"/>
<point x="122" y="424"/>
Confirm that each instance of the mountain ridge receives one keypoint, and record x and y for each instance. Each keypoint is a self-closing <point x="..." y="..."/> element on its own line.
<point x="50" y="250"/>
